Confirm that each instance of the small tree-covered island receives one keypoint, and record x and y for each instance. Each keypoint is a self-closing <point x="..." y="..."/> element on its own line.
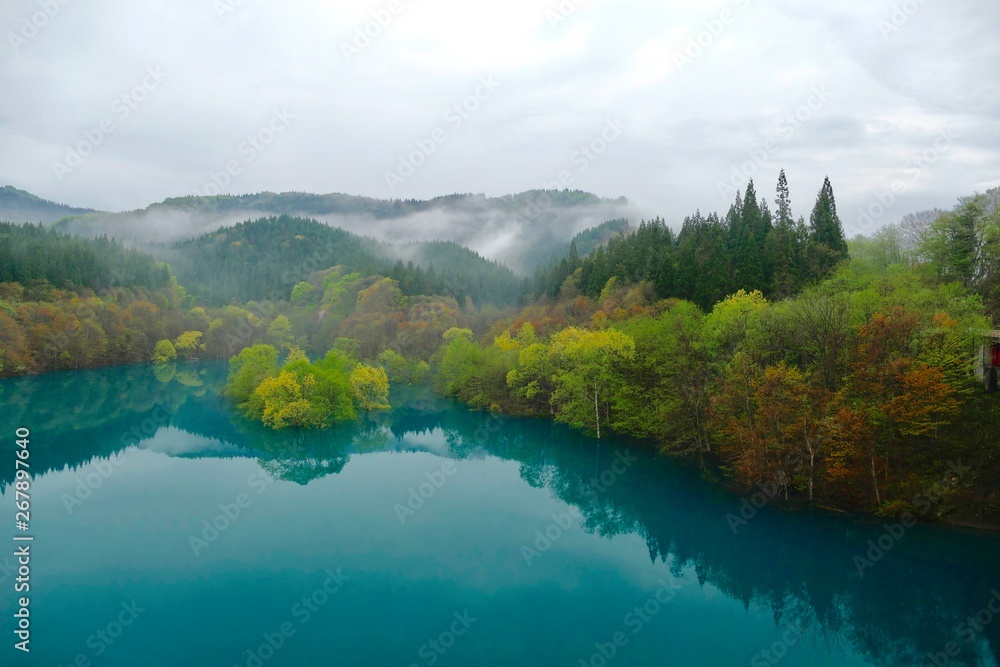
<point x="767" y="350"/>
<point x="300" y="394"/>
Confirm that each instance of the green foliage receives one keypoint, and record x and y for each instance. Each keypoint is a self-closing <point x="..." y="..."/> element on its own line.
<point x="474" y="374"/>
<point x="279" y="332"/>
<point x="188" y="344"/>
<point x="448" y="269"/>
<point x="35" y="257"/>
<point x="852" y="392"/>
<point x="279" y="403"/>
<point x="371" y="387"/>
<point x="585" y="373"/>
<point x="248" y="369"/>
<point x="827" y="246"/>
<point x="327" y="389"/>
<point x="301" y="292"/>
<point x="295" y="353"/>
<point x="400" y="370"/>
<point x="268" y="258"/>
<point x="299" y="395"/>
<point x="711" y="257"/>
<point x="963" y="245"/>
<point x="164" y="352"/>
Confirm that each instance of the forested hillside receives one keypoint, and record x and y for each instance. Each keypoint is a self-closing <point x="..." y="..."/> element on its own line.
<point x="522" y="231"/>
<point x="857" y="391"/>
<point x="262" y="259"/>
<point x="710" y="257"/>
<point x="35" y="256"/>
<point x="67" y="302"/>
<point x="752" y="343"/>
<point x="19" y="206"/>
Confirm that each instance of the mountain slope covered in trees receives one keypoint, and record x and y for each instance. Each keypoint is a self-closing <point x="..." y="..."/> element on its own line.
<point x="710" y="257"/>
<point x="522" y="230"/>
<point x="19" y="206"/>
<point x="838" y="379"/>
<point x="859" y="390"/>
<point x="263" y="259"/>
<point x="33" y="256"/>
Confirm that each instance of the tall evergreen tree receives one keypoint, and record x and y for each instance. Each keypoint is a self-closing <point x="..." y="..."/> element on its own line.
<point x="784" y="245"/>
<point x="746" y="240"/>
<point x="783" y="201"/>
<point x="714" y="282"/>
<point x="827" y="243"/>
<point x="686" y="254"/>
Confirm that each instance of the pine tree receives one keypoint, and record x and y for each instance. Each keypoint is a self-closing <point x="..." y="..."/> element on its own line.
<point x="784" y="246"/>
<point x="734" y="237"/>
<point x="783" y="201"/>
<point x="826" y="235"/>
<point x="746" y="240"/>
<point x="753" y="218"/>
<point x="686" y="254"/>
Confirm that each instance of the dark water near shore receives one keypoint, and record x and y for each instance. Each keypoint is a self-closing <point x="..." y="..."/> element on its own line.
<point x="169" y="531"/>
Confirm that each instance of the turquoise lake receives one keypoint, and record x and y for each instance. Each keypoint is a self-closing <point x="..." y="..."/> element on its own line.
<point x="170" y="531"/>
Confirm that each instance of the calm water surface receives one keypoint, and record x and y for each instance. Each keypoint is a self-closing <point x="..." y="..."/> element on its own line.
<point x="169" y="531"/>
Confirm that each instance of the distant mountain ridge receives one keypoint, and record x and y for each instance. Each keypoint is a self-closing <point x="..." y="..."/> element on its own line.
<point x="19" y="206"/>
<point x="523" y="230"/>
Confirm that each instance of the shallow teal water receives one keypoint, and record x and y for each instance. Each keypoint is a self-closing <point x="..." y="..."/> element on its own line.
<point x="522" y="543"/>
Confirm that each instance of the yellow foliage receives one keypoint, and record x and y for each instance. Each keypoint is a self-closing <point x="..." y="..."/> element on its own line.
<point x="371" y="387"/>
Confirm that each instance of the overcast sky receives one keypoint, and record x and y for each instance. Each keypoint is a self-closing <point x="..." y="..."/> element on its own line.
<point x="679" y="101"/>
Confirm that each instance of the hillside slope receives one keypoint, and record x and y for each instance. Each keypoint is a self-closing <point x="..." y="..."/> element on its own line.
<point x="522" y="230"/>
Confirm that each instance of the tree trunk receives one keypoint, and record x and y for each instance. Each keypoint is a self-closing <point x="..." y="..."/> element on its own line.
<point x="597" y="411"/>
<point x="878" y="497"/>
<point x="812" y="472"/>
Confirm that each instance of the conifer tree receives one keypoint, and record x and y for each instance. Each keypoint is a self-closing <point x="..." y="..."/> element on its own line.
<point x="784" y="246"/>
<point x="827" y="243"/>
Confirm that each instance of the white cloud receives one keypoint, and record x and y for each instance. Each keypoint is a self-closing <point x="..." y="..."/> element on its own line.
<point x="560" y="80"/>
